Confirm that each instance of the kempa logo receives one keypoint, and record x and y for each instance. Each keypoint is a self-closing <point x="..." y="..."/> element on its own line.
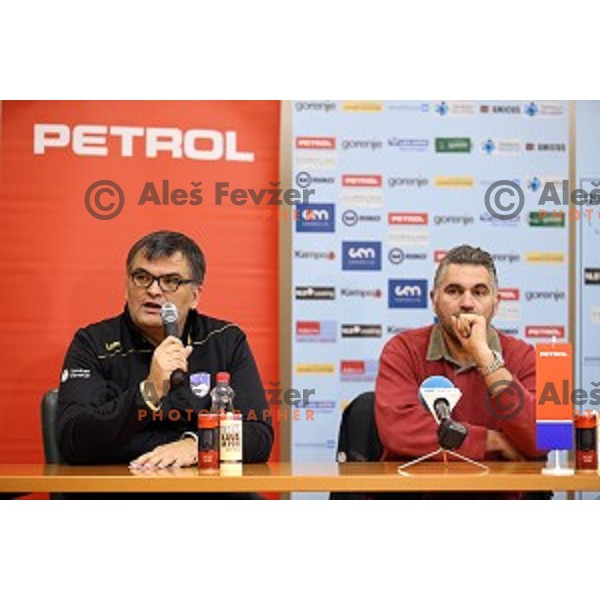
<point x="314" y="254"/>
<point x="305" y="179"/>
<point x="315" y="293"/>
<point x="351" y="218"/>
<point x="362" y="145"/>
<point x="93" y="140"/>
<point x="556" y="295"/>
<point x="394" y="329"/>
<point x="360" y="293"/>
<point x="315" y="106"/>
<point x="462" y="145"/>
<point x="361" y="331"/>
<point x="453" y="220"/>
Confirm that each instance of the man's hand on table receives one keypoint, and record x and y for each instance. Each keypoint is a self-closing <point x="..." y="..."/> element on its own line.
<point x="497" y="442"/>
<point x="183" y="453"/>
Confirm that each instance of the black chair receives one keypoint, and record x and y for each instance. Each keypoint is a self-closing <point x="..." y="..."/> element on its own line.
<point x="359" y="441"/>
<point x="49" y="412"/>
<point x="52" y="455"/>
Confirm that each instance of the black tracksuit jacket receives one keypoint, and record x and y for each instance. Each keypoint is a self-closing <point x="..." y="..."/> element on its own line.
<point x="102" y="417"/>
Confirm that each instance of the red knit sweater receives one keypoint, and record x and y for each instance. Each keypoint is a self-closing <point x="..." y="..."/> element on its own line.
<point x="408" y="430"/>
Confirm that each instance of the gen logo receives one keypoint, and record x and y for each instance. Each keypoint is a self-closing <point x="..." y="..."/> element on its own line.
<point x="316" y="218"/>
<point x="407" y="293"/>
<point x="361" y="256"/>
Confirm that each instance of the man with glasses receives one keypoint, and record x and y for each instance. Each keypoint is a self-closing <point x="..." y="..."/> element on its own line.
<point x="116" y="404"/>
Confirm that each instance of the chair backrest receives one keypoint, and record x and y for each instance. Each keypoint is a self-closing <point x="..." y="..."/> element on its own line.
<point x="358" y="437"/>
<point x="49" y="435"/>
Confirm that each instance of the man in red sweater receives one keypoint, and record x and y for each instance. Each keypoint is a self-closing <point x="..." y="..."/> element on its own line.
<point x="495" y="372"/>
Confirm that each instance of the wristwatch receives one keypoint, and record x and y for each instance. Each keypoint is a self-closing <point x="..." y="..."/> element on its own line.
<point x="496" y="364"/>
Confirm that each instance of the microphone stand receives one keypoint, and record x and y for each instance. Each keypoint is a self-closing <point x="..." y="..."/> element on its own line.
<point x="403" y="469"/>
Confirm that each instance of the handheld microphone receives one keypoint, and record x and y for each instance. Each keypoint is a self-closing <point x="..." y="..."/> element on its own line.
<point x="440" y="397"/>
<point x="169" y="315"/>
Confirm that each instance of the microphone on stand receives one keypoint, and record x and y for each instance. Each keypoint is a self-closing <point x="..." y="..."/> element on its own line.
<point x="440" y="397"/>
<point x="169" y="315"/>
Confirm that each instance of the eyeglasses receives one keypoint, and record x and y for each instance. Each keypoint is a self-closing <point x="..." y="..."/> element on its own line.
<point x="167" y="283"/>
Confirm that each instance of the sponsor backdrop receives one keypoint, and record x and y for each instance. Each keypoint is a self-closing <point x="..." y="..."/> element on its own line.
<point x="587" y="347"/>
<point x="64" y="268"/>
<point x="396" y="185"/>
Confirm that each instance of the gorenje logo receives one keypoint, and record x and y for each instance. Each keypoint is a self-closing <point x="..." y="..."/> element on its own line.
<point x="361" y="144"/>
<point x="316" y="106"/>
<point x="93" y="140"/>
<point x="556" y="295"/>
<point x="315" y="293"/>
<point x="453" y="220"/>
<point x="316" y="218"/>
<point x="361" y="256"/>
<point x="407" y="293"/>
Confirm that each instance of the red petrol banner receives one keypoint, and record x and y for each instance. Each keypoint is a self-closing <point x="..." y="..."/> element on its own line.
<point x="83" y="180"/>
<point x="554" y="403"/>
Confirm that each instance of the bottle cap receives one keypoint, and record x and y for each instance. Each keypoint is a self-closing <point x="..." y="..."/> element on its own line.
<point x="208" y="421"/>
<point x="223" y="377"/>
<point x="586" y="420"/>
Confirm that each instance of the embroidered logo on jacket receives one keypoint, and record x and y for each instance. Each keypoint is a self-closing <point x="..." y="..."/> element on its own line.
<point x="200" y="383"/>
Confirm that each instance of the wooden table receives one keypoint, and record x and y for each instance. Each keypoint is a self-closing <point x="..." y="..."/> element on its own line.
<point x="286" y="477"/>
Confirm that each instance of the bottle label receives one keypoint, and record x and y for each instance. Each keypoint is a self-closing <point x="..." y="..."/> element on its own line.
<point x="231" y="438"/>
